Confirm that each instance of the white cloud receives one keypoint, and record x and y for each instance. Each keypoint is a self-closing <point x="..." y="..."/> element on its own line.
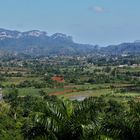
<point x="97" y="9"/>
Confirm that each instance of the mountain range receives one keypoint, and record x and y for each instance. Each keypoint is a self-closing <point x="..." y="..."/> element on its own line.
<point x="37" y="42"/>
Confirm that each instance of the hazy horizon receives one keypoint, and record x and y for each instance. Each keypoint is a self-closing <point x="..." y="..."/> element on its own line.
<point x="101" y="22"/>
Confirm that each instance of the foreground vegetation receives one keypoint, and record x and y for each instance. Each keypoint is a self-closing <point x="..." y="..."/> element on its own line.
<point x="52" y="118"/>
<point x="73" y="98"/>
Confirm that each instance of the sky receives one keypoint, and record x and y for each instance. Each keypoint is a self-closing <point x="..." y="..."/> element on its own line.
<point x="101" y="22"/>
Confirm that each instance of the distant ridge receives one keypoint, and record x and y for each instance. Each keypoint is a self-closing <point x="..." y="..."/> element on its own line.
<point x="124" y="48"/>
<point x="36" y="42"/>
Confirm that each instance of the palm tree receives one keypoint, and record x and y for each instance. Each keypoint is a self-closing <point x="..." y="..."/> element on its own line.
<point x="65" y="120"/>
<point x="124" y="125"/>
<point x="12" y="98"/>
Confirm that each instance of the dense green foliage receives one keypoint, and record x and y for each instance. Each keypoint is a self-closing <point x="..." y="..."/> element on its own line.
<point x="35" y="106"/>
<point x="48" y="117"/>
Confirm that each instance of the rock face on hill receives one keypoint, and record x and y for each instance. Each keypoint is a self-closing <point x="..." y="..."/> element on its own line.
<point x="37" y="42"/>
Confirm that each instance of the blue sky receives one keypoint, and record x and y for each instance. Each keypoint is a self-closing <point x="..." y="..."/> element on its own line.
<point x="100" y="22"/>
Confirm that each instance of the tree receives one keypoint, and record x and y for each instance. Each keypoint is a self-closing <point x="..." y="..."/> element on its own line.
<point x="12" y="98"/>
<point x="63" y="120"/>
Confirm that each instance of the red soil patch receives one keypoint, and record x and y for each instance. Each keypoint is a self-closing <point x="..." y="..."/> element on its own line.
<point x="59" y="79"/>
